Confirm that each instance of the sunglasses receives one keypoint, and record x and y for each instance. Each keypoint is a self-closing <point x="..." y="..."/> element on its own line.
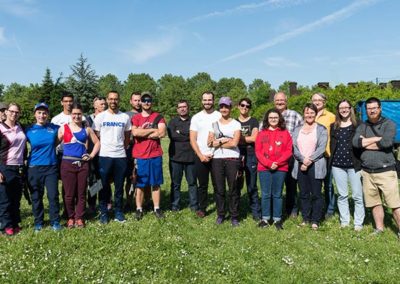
<point x="147" y="101"/>
<point x="246" y="106"/>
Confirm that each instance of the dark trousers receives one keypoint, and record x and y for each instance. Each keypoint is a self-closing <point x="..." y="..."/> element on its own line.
<point x="329" y="190"/>
<point x="177" y="169"/>
<point x="312" y="202"/>
<point x="251" y="183"/>
<point x="115" y="168"/>
<point x="203" y="171"/>
<point x="40" y="177"/>
<point x="94" y="175"/>
<point x="74" y="178"/>
<point x="225" y="171"/>
<point x="291" y="191"/>
<point x="10" y="197"/>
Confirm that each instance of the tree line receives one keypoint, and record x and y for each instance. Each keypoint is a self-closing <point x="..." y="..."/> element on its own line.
<point x="85" y="85"/>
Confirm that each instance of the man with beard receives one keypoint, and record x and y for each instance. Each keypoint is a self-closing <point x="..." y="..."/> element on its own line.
<point x="148" y="128"/>
<point x="292" y="120"/>
<point x="200" y="126"/>
<point x="113" y="127"/>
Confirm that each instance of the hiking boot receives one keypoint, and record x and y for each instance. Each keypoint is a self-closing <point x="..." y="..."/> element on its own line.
<point x="263" y="224"/>
<point x="200" y="214"/>
<point x="103" y="218"/>
<point x="139" y="214"/>
<point x="158" y="213"/>
<point x="56" y="226"/>
<point x="80" y="223"/>
<point x="70" y="223"/>
<point x="9" y="231"/>
<point x="119" y="217"/>
<point x="37" y="228"/>
<point x="278" y="225"/>
<point x="220" y="220"/>
<point x="235" y="222"/>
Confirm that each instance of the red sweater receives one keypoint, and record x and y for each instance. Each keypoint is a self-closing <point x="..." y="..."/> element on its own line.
<point x="273" y="146"/>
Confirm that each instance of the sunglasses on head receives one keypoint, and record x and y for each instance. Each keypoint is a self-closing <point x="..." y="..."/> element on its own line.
<point x="245" y="105"/>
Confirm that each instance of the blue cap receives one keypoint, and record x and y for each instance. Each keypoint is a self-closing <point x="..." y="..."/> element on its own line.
<point x="41" y="105"/>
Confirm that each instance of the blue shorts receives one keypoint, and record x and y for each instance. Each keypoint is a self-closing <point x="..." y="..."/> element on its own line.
<point x="149" y="172"/>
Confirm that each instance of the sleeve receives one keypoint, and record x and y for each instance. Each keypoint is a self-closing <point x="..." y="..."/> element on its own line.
<point x="322" y="140"/>
<point x="288" y="151"/>
<point x="296" y="151"/>
<point x="356" y="141"/>
<point x="135" y="121"/>
<point x="128" y="124"/>
<point x="259" y="149"/>
<point x="180" y="136"/>
<point x="97" y="123"/>
<point x="388" y="135"/>
<point x="193" y="124"/>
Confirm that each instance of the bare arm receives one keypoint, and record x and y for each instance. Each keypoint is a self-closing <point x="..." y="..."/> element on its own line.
<point x="195" y="147"/>
<point x="140" y="132"/>
<point x="160" y="133"/>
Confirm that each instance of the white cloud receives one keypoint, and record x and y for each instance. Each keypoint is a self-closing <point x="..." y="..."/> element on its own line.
<point x="341" y="14"/>
<point x="146" y="50"/>
<point x="3" y="39"/>
<point x="280" y="62"/>
<point x="20" y="8"/>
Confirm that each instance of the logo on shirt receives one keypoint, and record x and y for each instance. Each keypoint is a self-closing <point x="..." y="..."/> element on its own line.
<point x="113" y="124"/>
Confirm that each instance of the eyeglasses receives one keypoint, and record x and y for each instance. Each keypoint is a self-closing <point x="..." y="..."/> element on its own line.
<point x="245" y="106"/>
<point x="147" y="101"/>
<point x="13" y="111"/>
<point x="3" y="109"/>
<point x="372" y="108"/>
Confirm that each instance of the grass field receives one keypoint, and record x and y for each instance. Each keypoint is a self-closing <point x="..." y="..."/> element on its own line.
<point x="184" y="249"/>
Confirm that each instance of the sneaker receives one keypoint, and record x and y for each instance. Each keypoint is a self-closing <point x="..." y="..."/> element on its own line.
<point x="56" y="226"/>
<point x="80" y="223"/>
<point x="314" y="226"/>
<point x="304" y="224"/>
<point x="358" y="228"/>
<point x="70" y="223"/>
<point x="278" y="225"/>
<point x="377" y="232"/>
<point x="263" y="224"/>
<point x="174" y="209"/>
<point x="37" y="228"/>
<point x="158" y="213"/>
<point x="200" y="214"/>
<point x="220" y="220"/>
<point x="103" y="218"/>
<point x="9" y="231"/>
<point x="119" y="217"/>
<point x="235" y="222"/>
<point x="139" y="214"/>
<point x="17" y="230"/>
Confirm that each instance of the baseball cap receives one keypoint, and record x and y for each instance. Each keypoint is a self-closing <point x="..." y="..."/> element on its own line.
<point x="3" y="105"/>
<point x="225" y="101"/>
<point x="41" y="105"/>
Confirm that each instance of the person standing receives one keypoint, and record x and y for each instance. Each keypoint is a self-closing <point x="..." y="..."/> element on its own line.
<point x="224" y="138"/>
<point x="148" y="128"/>
<point x="326" y="118"/>
<point x="181" y="157"/>
<point x="309" y="144"/>
<point x="249" y="129"/>
<point x="346" y="165"/>
<point x="200" y="126"/>
<point x="273" y="151"/>
<point x="3" y="108"/>
<point x="67" y="100"/>
<point x="12" y="148"/>
<point x="375" y="138"/>
<point x="74" y="165"/>
<point x="113" y="128"/>
<point x="42" y="167"/>
<point x="292" y="120"/>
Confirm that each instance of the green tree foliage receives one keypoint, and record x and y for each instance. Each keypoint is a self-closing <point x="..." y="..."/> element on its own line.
<point x="50" y="92"/>
<point x="83" y="83"/>
<point x="234" y="88"/>
<point x="137" y="83"/>
<point x="107" y="83"/>
<point x="260" y="91"/>
<point x="196" y="86"/>
<point x="170" y="89"/>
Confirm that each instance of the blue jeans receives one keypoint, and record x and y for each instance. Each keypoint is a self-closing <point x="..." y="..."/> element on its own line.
<point x="330" y="199"/>
<point x="251" y="183"/>
<point x="116" y="168"/>
<point x="177" y="169"/>
<point x="38" y="178"/>
<point x="342" y="178"/>
<point x="271" y="188"/>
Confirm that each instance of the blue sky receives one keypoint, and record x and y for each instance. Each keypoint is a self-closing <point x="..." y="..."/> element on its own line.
<point x="306" y="41"/>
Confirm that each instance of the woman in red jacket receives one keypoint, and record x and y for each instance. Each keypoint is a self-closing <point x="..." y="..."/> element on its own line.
<point x="273" y="150"/>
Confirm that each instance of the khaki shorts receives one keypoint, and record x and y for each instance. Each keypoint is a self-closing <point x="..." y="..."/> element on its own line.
<point x="386" y="182"/>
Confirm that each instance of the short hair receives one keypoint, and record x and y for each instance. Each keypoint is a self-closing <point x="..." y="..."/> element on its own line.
<point x="208" y="93"/>
<point x="310" y="106"/>
<point x="372" y="100"/>
<point x="14" y="104"/>
<point x="77" y="106"/>
<point x="114" y="92"/>
<point x="183" y="102"/>
<point x="280" y="92"/>
<point x="323" y="96"/>
<point x="247" y="100"/>
<point x="136" y="93"/>
<point x="281" y="122"/>
<point x="66" y="94"/>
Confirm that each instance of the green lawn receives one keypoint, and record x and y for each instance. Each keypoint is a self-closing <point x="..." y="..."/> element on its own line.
<point x="184" y="249"/>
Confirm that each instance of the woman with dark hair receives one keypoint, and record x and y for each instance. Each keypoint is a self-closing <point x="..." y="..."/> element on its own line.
<point x="309" y="143"/>
<point x="346" y="165"/>
<point x="74" y="166"/>
<point x="12" y="147"/>
<point x="273" y="148"/>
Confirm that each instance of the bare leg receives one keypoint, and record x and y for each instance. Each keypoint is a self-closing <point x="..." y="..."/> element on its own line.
<point x="156" y="195"/>
<point x="396" y="215"/>
<point x="378" y="214"/>
<point x="139" y="198"/>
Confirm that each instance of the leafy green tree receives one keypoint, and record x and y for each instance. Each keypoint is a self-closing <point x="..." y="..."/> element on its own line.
<point x="137" y="83"/>
<point x="234" y="88"/>
<point x="196" y="86"/>
<point x="169" y="91"/>
<point x="109" y="82"/>
<point x="50" y="91"/>
<point x="83" y="83"/>
<point x="260" y="91"/>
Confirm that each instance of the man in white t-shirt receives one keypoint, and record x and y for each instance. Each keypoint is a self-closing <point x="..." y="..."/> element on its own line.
<point x="200" y="126"/>
<point x="67" y="100"/>
<point x="113" y="128"/>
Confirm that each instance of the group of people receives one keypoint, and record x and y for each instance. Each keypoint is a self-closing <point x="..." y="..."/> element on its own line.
<point x="110" y="146"/>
